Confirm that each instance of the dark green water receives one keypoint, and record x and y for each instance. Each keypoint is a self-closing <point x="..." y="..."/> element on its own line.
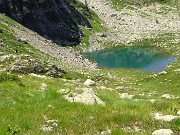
<point x="144" y="58"/>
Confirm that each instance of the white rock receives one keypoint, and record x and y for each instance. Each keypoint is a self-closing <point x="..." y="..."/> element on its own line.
<point x="63" y="91"/>
<point x="152" y="100"/>
<point x="46" y="128"/>
<point x="50" y="126"/>
<point x="127" y="129"/>
<point x="178" y="113"/>
<point x="54" y="123"/>
<point x="163" y="132"/>
<point x="177" y="70"/>
<point x="106" y="132"/>
<point x="42" y="87"/>
<point x="163" y="73"/>
<point x="89" y="82"/>
<point x="86" y="97"/>
<point x="159" y="116"/>
<point x="141" y="94"/>
<point x="168" y="96"/>
<point x="126" y="96"/>
<point x="102" y="87"/>
<point x="39" y="76"/>
<point x="137" y="129"/>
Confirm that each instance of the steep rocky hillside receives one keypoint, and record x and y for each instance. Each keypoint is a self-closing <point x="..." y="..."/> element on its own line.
<point x="57" y="20"/>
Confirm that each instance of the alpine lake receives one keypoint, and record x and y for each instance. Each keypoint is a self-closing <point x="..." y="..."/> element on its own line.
<point x="143" y="58"/>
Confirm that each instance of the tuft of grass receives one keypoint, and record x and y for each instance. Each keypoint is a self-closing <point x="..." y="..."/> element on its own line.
<point x="9" y="77"/>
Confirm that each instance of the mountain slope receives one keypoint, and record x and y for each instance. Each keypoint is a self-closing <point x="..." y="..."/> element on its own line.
<point x="57" y="20"/>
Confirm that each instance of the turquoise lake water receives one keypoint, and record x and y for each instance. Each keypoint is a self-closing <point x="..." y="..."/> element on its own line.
<point x="144" y="58"/>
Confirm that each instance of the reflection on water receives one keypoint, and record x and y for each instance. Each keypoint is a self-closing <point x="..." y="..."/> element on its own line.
<point x="143" y="58"/>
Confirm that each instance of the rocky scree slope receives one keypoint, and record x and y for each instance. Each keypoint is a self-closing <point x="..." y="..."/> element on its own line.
<point x="56" y="20"/>
<point x="132" y="23"/>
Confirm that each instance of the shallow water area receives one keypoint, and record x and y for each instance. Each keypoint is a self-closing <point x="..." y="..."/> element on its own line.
<point x="143" y="58"/>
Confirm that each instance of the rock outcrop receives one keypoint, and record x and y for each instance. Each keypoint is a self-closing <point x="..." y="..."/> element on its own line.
<point x="85" y="95"/>
<point x="57" y="20"/>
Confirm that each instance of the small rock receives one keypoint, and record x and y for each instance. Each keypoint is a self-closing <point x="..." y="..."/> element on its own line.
<point x="137" y="129"/>
<point x="50" y="126"/>
<point x="54" y="123"/>
<point x="39" y="76"/>
<point x="168" y="96"/>
<point x="106" y="132"/>
<point x="178" y="113"/>
<point x="22" y="41"/>
<point x="113" y="15"/>
<point x="163" y="132"/>
<point x="89" y="82"/>
<point x="102" y="35"/>
<point x="102" y="87"/>
<point x="46" y="128"/>
<point x="127" y="129"/>
<point x="177" y="70"/>
<point x="152" y="100"/>
<point x="50" y="106"/>
<point x="157" y="21"/>
<point x="159" y="116"/>
<point x="63" y="91"/>
<point x="163" y="73"/>
<point x="126" y="96"/>
<point x="128" y="42"/>
<point x="1" y="53"/>
<point x="42" y="87"/>
<point x="123" y="88"/>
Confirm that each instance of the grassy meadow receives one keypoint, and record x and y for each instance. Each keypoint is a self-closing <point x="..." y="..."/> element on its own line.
<point x="24" y="109"/>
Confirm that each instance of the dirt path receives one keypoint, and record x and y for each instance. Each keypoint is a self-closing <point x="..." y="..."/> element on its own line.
<point x="132" y="23"/>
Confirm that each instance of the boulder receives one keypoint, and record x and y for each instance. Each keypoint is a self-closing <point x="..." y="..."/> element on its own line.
<point x="163" y="132"/>
<point x="89" y="82"/>
<point x="159" y="116"/>
<point x="126" y="96"/>
<point x="87" y="96"/>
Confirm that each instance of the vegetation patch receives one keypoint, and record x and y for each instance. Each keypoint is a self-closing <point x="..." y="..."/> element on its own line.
<point x="9" y="77"/>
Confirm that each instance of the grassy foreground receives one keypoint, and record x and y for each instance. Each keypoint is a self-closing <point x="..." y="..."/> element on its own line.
<point x="25" y="109"/>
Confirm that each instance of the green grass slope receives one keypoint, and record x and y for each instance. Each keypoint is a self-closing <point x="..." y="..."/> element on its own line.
<point x="24" y="108"/>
